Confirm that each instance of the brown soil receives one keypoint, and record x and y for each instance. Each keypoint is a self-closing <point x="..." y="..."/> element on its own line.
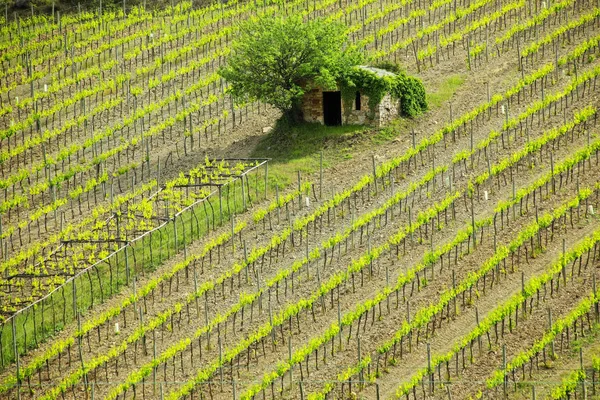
<point x="500" y="74"/>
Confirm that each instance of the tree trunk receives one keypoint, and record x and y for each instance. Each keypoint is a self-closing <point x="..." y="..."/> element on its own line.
<point x="294" y="115"/>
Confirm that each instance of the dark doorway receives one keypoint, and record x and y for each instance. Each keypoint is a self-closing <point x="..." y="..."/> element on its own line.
<point x="332" y="108"/>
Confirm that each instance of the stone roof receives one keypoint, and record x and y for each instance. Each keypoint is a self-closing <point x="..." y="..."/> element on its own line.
<point x="377" y="71"/>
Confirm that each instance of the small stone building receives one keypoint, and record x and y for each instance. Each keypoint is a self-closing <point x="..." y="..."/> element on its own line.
<point x="328" y="108"/>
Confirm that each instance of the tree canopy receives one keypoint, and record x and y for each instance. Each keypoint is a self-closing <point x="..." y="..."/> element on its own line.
<point x="276" y="59"/>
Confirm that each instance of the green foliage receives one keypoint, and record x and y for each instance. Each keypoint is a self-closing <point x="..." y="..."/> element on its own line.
<point x="409" y="90"/>
<point x="389" y="66"/>
<point x="367" y="83"/>
<point x="568" y="385"/>
<point x="275" y="60"/>
<point x="584" y="19"/>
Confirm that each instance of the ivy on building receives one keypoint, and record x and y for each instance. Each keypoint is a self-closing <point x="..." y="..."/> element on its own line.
<point x="408" y="89"/>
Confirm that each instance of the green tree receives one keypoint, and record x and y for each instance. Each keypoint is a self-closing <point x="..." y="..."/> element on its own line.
<point x="276" y="60"/>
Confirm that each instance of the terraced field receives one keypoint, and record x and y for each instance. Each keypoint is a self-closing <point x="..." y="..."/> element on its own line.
<point x="144" y="255"/>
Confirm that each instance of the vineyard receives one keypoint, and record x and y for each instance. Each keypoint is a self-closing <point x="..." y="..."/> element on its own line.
<point x="146" y="252"/>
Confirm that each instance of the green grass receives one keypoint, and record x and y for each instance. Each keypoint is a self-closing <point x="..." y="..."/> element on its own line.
<point x="585" y="341"/>
<point x="394" y="129"/>
<point x="109" y="278"/>
<point x="298" y="148"/>
<point x="445" y="91"/>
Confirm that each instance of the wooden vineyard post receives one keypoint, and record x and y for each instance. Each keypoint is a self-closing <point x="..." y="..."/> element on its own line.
<point x="234" y="196"/>
<point x="74" y="298"/>
<point x="581" y="368"/>
<point x="514" y="196"/>
<point x="134" y="293"/>
<point x="243" y="194"/>
<point x="206" y="321"/>
<point x="233" y="234"/>
<point x="174" y="236"/>
<point x="259" y="289"/>
<point x="416" y="53"/>
<point x="277" y="202"/>
<point x="374" y="173"/>
<point x="299" y="191"/>
<point x="339" y="313"/>
<point x="248" y="187"/>
<point x="477" y="322"/>
<point x="232" y="111"/>
<point x="221" y="363"/>
<point x="266" y="179"/>
<point x="246" y="261"/>
<point x="505" y="383"/>
<point x="550" y="327"/>
<point x="410" y="224"/>
<point x="468" y="53"/>
<point x="320" y="181"/>
<point x="473" y="223"/>
<point x="360" y="374"/>
<point x="271" y="322"/>
<point x="433" y="169"/>
<point x="472" y="145"/>
<point x="552" y="171"/>
<point x="487" y="40"/>
<point x="158" y="173"/>
<point x="127" y="272"/>
<point x="564" y="260"/>
<point x="2" y="242"/>
<point x="16" y="351"/>
<point x="430" y="374"/>
<point x="183" y="235"/>
<point x="307" y="251"/>
<point x="596" y="305"/>
<point x="79" y="347"/>
<point x="221" y="204"/>
<point x="519" y="58"/>
<point x="290" y="361"/>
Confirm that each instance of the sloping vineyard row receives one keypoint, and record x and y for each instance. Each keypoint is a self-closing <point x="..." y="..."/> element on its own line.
<point x="297" y="266"/>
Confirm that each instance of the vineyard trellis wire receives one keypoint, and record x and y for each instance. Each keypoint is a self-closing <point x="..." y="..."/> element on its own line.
<point x="49" y="314"/>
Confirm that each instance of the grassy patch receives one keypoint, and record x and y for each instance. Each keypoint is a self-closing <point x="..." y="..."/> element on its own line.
<point x="390" y="132"/>
<point x="298" y="148"/>
<point x="445" y="91"/>
<point x="585" y="341"/>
